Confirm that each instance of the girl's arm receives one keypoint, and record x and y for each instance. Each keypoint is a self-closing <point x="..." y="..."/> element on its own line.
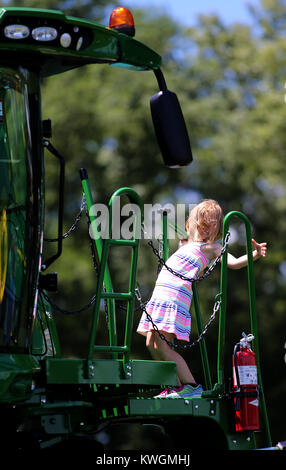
<point x="212" y="250"/>
<point x="238" y="263"/>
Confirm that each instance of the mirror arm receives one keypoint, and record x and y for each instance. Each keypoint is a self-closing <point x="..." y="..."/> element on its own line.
<point x="160" y="79"/>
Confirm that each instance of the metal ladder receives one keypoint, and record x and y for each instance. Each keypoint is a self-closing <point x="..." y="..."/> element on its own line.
<point x="104" y="283"/>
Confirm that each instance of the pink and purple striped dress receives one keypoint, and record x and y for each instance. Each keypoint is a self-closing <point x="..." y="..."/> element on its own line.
<point x="171" y="300"/>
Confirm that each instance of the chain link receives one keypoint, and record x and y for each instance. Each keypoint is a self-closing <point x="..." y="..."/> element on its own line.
<point x="216" y="306"/>
<point x="161" y="335"/>
<point x="185" y="278"/>
<point x="83" y="207"/>
<point x="142" y="305"/>
<point x="68" y="312"/>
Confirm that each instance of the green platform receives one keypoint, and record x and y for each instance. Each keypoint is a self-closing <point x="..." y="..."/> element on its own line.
<point x="110" y="371"/>
<point x="215" y="412"/>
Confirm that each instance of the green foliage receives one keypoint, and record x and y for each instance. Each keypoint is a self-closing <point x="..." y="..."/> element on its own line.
<point x="230" y="81"/>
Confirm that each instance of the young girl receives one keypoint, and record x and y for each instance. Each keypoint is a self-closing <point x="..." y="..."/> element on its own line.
<point x="170" y="303"/>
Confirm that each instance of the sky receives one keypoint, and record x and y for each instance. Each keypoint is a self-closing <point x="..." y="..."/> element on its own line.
<point x="186" y="10"/>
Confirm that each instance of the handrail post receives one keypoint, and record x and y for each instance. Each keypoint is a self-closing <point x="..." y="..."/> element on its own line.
<point x="203" y="347"/>
<point x="97" y="240"/>
<point x="104" y="278"/>
<point x="165" y="240"/>
<point x="222" y="310"/>
<point x="136" y="200"/>
<point x="252" y="311"/>
<point x="251" y="291"/>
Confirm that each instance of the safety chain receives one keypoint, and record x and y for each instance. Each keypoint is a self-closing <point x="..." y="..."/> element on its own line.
<point x="68" y="312"/>
<point x="216" y="306"/>
<point x="142" y="305"/>
<point x="83" y="207"/>
<point x="185" y="278"/>
<point x="163" y="337"/>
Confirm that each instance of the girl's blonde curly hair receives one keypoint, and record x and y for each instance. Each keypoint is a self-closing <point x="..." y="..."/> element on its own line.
<point x="205" y="222"/>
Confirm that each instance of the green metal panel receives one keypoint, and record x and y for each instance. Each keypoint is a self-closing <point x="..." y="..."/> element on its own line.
<point x="102" y="44"/>
<point x="17" y="372"/>
<point x="45" y="335"/>
<point x="110" y="371"/>
<point x="208" y="409"/>
<point x="167" y="407"/>
<point x="40" y="12"/>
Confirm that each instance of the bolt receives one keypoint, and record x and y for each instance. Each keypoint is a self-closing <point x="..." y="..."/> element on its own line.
<point x="187" y="402"/>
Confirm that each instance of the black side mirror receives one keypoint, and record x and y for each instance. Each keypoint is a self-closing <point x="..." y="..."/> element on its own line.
<point x="170" y="127"/>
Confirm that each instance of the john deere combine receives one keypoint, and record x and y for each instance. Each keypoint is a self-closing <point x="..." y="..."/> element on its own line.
<point x="47" y="399"/>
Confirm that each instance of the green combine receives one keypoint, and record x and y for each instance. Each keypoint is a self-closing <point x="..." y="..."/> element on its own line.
<point x="47" y="400"/>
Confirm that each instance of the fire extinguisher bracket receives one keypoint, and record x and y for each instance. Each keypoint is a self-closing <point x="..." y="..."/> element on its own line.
<point x="245" y="386"/>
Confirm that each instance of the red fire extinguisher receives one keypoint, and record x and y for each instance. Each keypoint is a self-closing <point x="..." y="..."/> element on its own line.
<point x="245" y="386"/>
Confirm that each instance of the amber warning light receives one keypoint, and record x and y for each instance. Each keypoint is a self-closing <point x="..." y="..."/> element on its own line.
<point x="121" y="20"/>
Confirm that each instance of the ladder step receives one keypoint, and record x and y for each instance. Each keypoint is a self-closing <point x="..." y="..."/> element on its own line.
<point x="117" y="295"/>
<point x="120" y="242"/>
<point x="115" y="349"/>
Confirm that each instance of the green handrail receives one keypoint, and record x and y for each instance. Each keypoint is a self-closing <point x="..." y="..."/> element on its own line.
<point x="104" y="278"/>
<point x="134" y="243"/>
<point x="202" y="343"/>
<point x="223" y="290"/>
<point x="97" y="240"/>
<point x="252" y="312"/>
<point x="165" y="238"/>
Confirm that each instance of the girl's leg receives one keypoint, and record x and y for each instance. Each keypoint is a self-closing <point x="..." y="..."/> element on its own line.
<point x="161" y="351"/>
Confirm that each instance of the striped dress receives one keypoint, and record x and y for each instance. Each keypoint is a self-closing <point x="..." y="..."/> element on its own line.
<point x="171" y="300"/>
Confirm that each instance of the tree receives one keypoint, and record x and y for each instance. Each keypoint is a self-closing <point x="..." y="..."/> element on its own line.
<point x="235" y="95"/>
<point x="231" y="83"/>
<point x="114" y="140"/>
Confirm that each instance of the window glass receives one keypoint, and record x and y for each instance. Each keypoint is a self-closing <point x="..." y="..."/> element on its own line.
<point x="15" y="201"/>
